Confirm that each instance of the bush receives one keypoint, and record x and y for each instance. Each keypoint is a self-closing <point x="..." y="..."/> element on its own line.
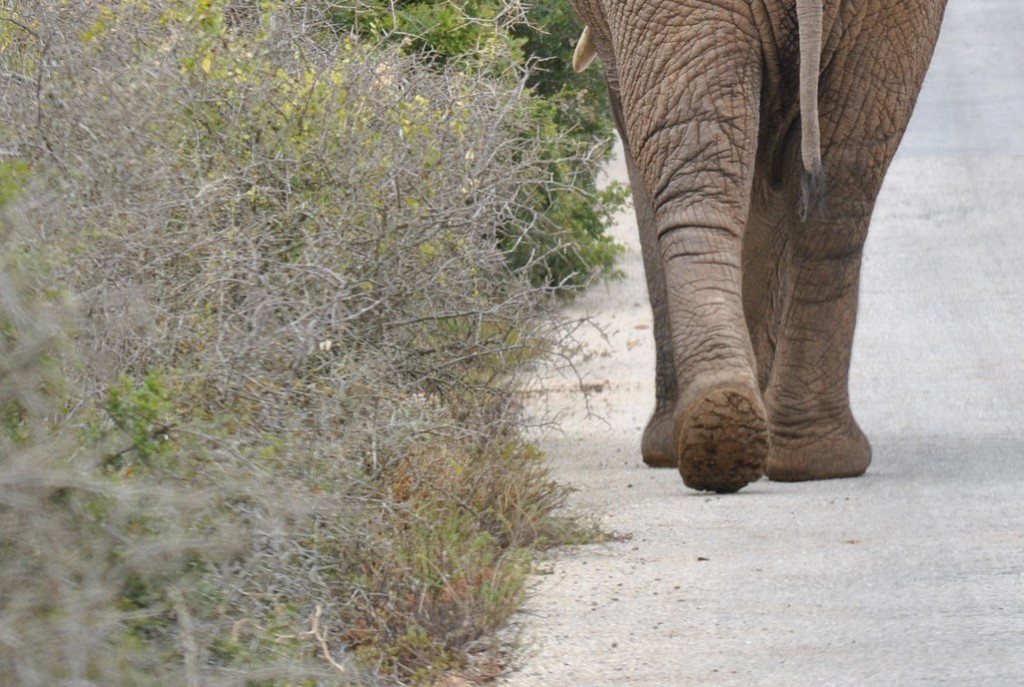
<point x="567" y="215"/>
<point x="280" y="443"/>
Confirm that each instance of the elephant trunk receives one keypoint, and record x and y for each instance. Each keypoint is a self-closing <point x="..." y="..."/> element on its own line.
<point x="809" y="19"/>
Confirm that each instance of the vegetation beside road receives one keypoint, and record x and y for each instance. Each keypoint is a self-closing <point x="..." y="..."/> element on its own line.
<point x="271" y="274"/>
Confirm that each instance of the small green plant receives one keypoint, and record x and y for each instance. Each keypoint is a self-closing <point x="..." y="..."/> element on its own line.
<point x="141" y="412"/>
<point x="13" y="174"/>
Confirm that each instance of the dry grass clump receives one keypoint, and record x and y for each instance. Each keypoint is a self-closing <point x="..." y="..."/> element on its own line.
<point x="279" y="442"/>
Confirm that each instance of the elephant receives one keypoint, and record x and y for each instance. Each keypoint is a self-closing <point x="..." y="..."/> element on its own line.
<point x="756" y="134"/>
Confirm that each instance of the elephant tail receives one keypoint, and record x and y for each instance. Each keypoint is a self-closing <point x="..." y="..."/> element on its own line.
<point x="812" y="186"/>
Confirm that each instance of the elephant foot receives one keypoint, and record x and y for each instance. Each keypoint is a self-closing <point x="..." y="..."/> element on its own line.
<point x="722" y="440"/>
<point x="830" y="455"/>
<point x="657" y="445"/>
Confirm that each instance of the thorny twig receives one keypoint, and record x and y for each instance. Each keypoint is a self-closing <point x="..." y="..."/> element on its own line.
<point x="189" y="646"/>
<point x="316" y="633"/>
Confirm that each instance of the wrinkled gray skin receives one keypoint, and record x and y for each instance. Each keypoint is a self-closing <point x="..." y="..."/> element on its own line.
<point x="752" y="267"/>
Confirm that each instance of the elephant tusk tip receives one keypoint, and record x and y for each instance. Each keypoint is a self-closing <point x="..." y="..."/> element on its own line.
<point x="585" y="52"/>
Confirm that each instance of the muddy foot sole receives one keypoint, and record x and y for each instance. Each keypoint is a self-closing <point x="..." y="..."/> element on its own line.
<point x="722" y="441"/>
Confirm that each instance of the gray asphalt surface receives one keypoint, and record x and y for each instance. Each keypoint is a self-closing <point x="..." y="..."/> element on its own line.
<point x="911" y="575"/>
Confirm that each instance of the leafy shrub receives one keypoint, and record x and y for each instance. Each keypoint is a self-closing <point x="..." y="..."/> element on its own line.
<point x="567" y="216"/>
<point x="284" y="446"/>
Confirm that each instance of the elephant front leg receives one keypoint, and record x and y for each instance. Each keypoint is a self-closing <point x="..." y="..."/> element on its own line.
<point x="656" y="447"/>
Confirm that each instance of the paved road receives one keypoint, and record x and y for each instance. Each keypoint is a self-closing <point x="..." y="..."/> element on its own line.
<point x="911" y="575"/>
